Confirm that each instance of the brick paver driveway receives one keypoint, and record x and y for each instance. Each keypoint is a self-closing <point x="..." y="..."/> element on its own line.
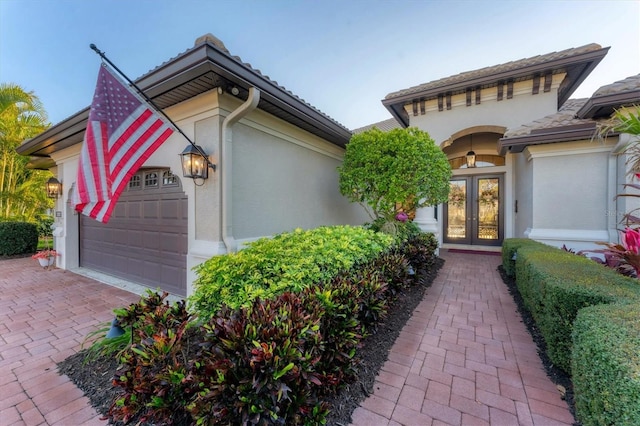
<point x="44" y="317"/>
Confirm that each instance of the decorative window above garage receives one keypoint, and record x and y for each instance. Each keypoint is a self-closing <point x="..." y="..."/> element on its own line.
<point x="152" y="179"/>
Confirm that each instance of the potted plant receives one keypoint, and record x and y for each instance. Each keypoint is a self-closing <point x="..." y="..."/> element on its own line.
<point x="46" y="257"/>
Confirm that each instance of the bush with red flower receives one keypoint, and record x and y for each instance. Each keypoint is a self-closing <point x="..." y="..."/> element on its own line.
<point x="45" y="254"/>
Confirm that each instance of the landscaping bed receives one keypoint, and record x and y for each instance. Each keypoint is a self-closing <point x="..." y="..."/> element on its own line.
<point x="94" y="378"/>
<point x="306" y="314"/>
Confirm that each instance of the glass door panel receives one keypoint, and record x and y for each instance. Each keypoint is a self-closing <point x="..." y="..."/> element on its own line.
<point x="456" y="213"/>
<point x="488" y="207"/>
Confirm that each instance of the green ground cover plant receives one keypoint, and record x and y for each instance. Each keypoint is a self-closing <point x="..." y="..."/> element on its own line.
<point x="290" y="261"/>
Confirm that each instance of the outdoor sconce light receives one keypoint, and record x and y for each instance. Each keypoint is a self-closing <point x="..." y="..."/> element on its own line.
<point x="471" y="156"/>
<point x="54" y="188"/>
<point x="195" y="164"/>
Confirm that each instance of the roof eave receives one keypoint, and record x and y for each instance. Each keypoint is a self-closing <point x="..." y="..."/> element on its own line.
<point x="171" y="75"/>
<point x="62" y="135"/>
<point x="601" y="106"/>
<point x="517" y="144"/>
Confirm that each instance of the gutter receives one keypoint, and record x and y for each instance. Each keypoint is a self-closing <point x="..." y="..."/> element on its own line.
<point x="226" y="137"/>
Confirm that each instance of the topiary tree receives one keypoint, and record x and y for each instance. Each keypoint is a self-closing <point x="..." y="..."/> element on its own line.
<point x="401" y="169"/>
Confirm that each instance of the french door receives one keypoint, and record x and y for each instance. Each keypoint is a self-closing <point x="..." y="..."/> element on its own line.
<point x="474" y="214"/>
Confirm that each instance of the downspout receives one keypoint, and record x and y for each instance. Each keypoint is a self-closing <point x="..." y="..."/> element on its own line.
<point x="226" y="136"/>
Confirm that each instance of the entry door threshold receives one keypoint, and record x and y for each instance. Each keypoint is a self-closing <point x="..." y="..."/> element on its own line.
<point x="474" y="248"/>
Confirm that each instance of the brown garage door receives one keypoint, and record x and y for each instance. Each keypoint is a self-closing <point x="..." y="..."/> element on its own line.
<point x="145" y="240"/>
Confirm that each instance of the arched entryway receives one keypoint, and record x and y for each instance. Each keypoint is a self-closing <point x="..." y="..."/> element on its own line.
<point x="475" y="212"/>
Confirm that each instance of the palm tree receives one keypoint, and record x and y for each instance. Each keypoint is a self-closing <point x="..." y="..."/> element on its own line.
<point x="22" y="116"/>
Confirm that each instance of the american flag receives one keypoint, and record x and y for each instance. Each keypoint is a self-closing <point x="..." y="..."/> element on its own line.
<point x="122" y="132"/>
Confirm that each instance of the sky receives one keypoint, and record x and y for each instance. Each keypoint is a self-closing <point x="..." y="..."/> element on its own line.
<point x="342" y="57"/>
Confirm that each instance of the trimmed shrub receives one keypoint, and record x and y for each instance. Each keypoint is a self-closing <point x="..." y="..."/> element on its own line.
<point x="18" y="238"/>
<point x="290" y="261"/>
<point x="401" y="231"/>
<point x="555" y="285"/>
<point x="606" y="365"/>
<point x="510" y="247"/>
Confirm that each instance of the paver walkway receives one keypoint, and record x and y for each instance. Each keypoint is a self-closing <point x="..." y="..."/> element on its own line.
<point x="463" y="358"/>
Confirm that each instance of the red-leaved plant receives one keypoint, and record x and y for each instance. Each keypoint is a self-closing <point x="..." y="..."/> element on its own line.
<point x="625" y="257"/>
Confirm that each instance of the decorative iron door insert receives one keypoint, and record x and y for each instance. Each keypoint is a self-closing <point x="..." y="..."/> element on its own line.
<point x="474" y="213"/>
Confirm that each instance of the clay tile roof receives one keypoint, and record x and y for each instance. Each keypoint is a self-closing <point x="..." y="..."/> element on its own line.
<point x="608" y="98"/>
<point x="627" y="85"/>
<point x="496" y="69"/>
<point x="566" y="116"/>
<point x="385" y="126"/>
<point x="211" y="40"/>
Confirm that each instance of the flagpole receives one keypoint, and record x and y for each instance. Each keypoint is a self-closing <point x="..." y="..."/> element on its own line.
<point x="148" y="99"/>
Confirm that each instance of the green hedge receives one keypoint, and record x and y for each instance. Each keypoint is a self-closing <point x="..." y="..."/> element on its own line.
<point x="290" y="261"/>
<point x="18" y="238"/>
<point x="555" y="285"/>
<point x="509" y="249"/>
<point x="589" y="316"/>
<point x="606" y="365"/>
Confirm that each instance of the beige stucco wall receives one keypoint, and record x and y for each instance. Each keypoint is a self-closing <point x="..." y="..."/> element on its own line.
<point x="570" y="191"/>
<point x="573" y="187"/>
<point x="523" y="184"/>
<point x="284" y="178"/>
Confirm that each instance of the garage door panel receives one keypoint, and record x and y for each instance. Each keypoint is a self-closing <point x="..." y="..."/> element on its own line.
<point x="151" y="209"/>
<point x="146" y="239"/>
<point x="151" y="241"/>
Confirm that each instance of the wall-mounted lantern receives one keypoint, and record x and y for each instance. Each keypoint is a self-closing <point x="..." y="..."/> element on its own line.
<point x="471" y="156"/>
<point x="195" y="164"/>
<point x="54" y="188"/>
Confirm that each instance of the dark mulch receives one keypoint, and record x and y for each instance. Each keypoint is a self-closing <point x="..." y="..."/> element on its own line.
<point x="561" y="379"/>
<point x="94" y="378"/>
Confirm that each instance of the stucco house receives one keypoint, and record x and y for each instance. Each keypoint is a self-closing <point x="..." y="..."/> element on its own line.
<point x="523" y="154"/>
<point x="276" y="159"/>
<point x="525" y="159"/>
